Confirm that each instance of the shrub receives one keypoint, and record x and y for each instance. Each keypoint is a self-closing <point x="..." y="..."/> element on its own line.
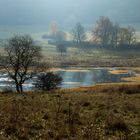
<point x="48" y="81"/>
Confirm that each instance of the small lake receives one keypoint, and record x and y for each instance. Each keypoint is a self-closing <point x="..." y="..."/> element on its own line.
<point x="73" y="78"/>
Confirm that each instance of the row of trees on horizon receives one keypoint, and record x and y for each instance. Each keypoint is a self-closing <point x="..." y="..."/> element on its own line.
<point x="105" y="33"/>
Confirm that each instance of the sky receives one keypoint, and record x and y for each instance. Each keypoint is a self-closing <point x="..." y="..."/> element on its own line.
<point x="67" y="12"/>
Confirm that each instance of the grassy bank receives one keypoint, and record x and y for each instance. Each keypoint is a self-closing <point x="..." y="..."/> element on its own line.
<point x="95" y="113"/>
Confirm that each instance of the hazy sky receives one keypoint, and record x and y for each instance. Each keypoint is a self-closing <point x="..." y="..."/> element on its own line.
<point x="67" y="12"/>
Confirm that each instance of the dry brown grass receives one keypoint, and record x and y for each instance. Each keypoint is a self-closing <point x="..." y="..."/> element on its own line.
<point x="120" y="71"/>
<point x="74" y="115"/>
<point x="133" y="79"/>
<point x="128" y="88"/>
<point x="124" y="70"/>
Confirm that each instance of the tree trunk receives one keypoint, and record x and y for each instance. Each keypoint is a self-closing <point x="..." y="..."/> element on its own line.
<point x="21" y="88"/>
<point x="17" y="87"/>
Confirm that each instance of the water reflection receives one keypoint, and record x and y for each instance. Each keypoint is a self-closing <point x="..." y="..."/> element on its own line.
<point x="73" y="79"/>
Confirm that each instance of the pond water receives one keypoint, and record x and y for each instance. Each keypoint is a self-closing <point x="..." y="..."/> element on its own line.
<point x="73" y="78"/>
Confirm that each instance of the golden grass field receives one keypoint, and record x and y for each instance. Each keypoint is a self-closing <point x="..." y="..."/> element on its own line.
<point x="103" y="112"/>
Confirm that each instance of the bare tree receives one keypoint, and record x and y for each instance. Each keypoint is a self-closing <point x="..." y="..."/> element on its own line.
<point x="127" y="36"/>
<point x="115" y="35"/>
<point x="103" y="30"/>
<point x="78" y="34"/>
<point x="109" y="34"/>
<point x="22" y="55"/>
<point x="131" y="35"/>
<point x="123" y="36"/>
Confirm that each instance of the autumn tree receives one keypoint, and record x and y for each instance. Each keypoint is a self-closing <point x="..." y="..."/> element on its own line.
<point x="54" y="28"/>
<point x="78" y="34"/>
<point x="22" y="56"/>
<point x="57" y="34"/>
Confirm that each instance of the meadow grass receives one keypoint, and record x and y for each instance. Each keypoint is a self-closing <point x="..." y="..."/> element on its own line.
<point x="97" y="113"/>
<point x="92" y="57"/>
<point x="89" y="57"/>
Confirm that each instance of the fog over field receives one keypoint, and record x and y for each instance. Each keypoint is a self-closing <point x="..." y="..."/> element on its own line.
<point x="21" y="12"/>
<point x="36" y="15"/>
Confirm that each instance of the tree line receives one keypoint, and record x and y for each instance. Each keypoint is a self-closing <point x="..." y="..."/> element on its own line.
<point x="105" y="33"/>
<point x="108" y="33"/>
